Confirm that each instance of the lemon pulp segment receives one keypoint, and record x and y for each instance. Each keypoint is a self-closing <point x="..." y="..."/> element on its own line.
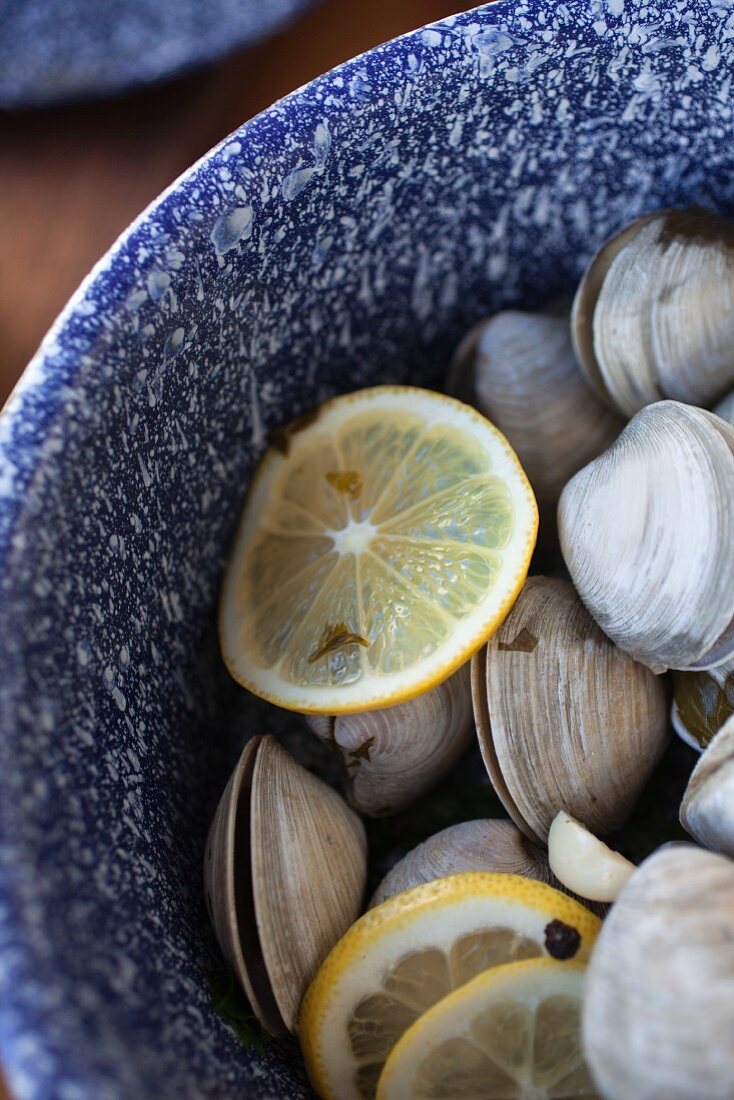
<point x="513" y="1033"/>
<point x="376" y="554"/>
<point x="410" y="952"/>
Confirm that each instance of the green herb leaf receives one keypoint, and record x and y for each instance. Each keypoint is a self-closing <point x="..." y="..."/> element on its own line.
<point x="230" y="1003"/>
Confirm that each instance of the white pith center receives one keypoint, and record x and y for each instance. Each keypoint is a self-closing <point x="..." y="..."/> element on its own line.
<point x="354" y="538"/>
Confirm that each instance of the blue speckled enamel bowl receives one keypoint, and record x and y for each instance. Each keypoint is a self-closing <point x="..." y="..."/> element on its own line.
<point x="348" y="235"/>
<point x="57" y="50"/>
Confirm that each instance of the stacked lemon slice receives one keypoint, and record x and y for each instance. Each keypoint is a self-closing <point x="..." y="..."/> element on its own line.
<point x="466" y="987"/>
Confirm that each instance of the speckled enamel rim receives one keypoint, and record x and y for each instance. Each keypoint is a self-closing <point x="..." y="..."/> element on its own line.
<point x="39" y="86"/>
<point x="37" y="397"/>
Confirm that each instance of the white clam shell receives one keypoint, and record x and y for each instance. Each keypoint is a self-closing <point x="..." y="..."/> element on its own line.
<point x="707" y="809"/>
<point x="390" y="757"/>
<point x="565" y="719"/>
<point x="658" y="1015"/>
<point x="519" y="369"/>
<point x="654" y="313"/>
<point x="646" y="531"/>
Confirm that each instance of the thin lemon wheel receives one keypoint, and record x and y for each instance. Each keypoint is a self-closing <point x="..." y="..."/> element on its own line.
<point x="384" y="538"/>
<point x="513" y="1033"/>
<point x="402" y="957"/>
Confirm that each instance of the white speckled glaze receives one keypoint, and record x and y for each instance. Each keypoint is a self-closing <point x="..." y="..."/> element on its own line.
<point x="52" y="51"/>
<point x="348" y="235"/>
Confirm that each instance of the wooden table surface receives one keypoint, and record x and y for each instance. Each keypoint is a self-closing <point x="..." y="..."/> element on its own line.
<point x="72" y="178"/>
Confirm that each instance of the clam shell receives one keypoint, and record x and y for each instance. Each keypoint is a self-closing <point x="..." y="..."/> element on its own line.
<point x="654" y="314"/>
<point x="285" y="873"/>
<point x="519" y="369"/>
<point x="566" y="721"/>
<point x="658" y="1015"/>
<point x="646" y="532"/>
<point x="390" y="757"/>
<point x="229" y="899"/>
<point x="703" y="701"/>
<point x="491" y="845"/>
<point x="707" y="809"/>
<point x="485" y="845"/>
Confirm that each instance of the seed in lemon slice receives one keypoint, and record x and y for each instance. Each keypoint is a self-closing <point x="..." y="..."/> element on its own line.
<point x="513" y="1033"/>
<point x="383" y="540"/>
<point x="402" y="957"/>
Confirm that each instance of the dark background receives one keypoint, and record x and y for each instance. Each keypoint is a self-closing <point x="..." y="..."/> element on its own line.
<point x="72" y="178"/>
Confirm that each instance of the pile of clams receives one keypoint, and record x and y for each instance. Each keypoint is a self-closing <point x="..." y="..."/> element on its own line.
<point x="620" y="410"/>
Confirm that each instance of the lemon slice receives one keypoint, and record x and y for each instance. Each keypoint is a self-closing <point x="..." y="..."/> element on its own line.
<point x="513" y="1033"/>
<point x="384" y="537"/>
<point x="403" y="956"/>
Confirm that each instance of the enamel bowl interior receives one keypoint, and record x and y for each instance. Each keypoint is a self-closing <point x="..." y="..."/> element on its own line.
<point x="347" y="236"/>
<point x="57" y="50"/>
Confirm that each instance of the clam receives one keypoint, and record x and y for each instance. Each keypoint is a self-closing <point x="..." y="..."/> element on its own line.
<point x="284" y="875"/>
<point x="653" y="315"/>
<point x="707" y="810"/>
<point x="491" y="845"/>
<point x="391" y="756"/>
<point x="566" y="721"/>
<point x="646" y="531"/>
<point x="702" y="703"/>
<point x="488" y="845"/>
<point x="519" y="369"/>
<point x="658" y="1015"/>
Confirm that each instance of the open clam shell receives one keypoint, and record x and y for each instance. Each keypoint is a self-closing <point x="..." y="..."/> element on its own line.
<point x="566" y="721"/>
<point x="653" y="315"/>
<point x="285" y="873"/>
<point x="646" y="531"/>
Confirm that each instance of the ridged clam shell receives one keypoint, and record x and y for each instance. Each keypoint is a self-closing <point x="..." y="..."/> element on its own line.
<point x="658" y="1015"/>
<point x="566" y="721"/>
<point x="707" y="809"/>
<point x="519" y="369"/>
<point x="646" y="531"/>
<point x="653" y="316"/>
<point x="491" y="845"/>
<point x="389" y="757"/>
<point x="285" y="873"/>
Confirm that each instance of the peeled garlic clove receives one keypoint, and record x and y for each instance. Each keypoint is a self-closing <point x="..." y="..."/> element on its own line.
<point x="702" y="703"/>
<point x="392" y="756"/>
<point x="646" y="532"/>
<point x="658" y="1014"/>
<point x="285" y="873"/>
<point x="654" y="313"/>
<point x="565" y="719"/>
<point x="520" y="371"/>
<point x="470" y="846"/>
<point x="707" y="810"/>
<point x="583" y="863"/>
